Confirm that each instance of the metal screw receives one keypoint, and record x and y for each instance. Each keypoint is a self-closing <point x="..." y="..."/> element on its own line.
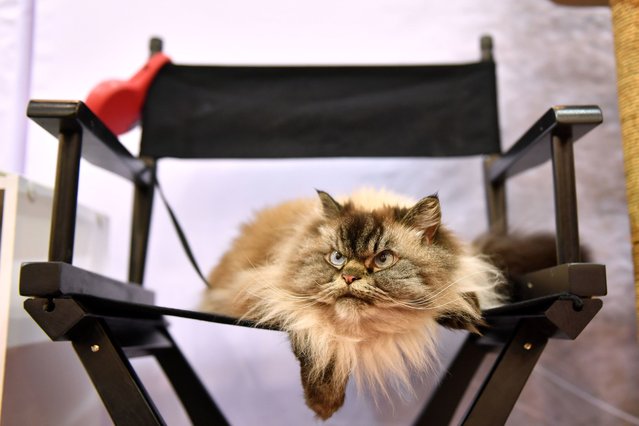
<point x="95" y="348"/>
<point x="529" y="285"/>
<point x="528" y="346"/>
<point x="48" y="306"/>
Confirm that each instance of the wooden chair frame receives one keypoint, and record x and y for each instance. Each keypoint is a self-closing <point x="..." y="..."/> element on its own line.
<point x="109" y="321"/>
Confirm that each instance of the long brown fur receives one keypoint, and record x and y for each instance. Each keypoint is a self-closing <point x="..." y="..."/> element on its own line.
<point x="377" y="323"/>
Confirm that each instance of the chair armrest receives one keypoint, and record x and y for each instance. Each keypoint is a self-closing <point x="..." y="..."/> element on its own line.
<point x="99" y="145"/>
<point x="59" y="279"/>
<point x="534" y="147"/>
<point x="580" y="279"/>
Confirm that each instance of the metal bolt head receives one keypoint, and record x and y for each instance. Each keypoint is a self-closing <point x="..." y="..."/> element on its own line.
<point x="95" y="348"/>
<point x="528" y="346"/>
<point x="529" y="285"/>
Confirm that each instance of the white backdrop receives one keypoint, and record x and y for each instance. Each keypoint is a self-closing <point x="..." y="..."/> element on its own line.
<point x="546" y="55"/>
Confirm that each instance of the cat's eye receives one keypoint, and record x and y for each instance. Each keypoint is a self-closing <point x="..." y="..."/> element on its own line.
<point x="336" y="259"/>
<point x="385" y="259"/>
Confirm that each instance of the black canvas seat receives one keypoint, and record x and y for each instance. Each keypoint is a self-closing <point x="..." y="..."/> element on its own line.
<point x="306" y="112"/>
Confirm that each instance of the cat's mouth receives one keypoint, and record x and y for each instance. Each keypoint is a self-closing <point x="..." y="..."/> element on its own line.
<point x="349" y="296"/>
<point x="352" y="298"/>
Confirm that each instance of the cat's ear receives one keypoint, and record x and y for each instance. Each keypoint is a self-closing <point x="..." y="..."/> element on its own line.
<point x="331" y="207"/>
<point x="425" y="216"/>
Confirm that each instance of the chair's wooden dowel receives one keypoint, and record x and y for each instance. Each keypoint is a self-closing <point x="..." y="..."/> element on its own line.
<point x="141" y="222"/>
<point x="440" y="409"/>
<point x="486" y="46"/>
<point x="499" y="392"/>
<point x="197" y="401"/>
<point x="65" y="197"/>
<point x="565" y="199"/>
<point x="495" y="199"/>
<point x="117" y="383"/>
<point x="155" y="45"/>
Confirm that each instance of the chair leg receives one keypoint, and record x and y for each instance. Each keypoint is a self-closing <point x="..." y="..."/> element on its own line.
<point x="199" y="405"/>
<point x="118" y="385"/>
<point x="444" y="401"/>
<point x="500" y="390"/>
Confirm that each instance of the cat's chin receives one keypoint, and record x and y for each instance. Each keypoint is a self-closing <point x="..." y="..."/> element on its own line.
<point x="349" y="298"/>
<point x="349" y="306"/>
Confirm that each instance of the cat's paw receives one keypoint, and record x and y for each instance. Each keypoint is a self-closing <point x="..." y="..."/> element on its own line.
<point x="324" y="389"/>
<point x="324" y="403"/>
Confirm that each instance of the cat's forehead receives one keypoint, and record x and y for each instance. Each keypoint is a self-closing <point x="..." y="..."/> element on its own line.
<point x="362" y="233"/>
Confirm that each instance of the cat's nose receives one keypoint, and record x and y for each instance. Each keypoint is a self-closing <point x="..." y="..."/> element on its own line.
<point x="350" y="278"/>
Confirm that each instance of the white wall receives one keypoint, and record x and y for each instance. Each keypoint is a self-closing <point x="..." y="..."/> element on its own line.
<point x="16" y="26"/>
<point x="546" y="55"/>
<point x="32" y="367"/>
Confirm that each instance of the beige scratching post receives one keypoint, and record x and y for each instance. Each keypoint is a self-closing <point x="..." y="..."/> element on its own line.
<point x="625" y="16"/>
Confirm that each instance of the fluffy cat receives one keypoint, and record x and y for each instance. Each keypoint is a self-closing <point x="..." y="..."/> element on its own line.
<point x="359" y="286"/>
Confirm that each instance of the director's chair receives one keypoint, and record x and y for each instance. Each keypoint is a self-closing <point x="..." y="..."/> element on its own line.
<point x="226" y="112"/>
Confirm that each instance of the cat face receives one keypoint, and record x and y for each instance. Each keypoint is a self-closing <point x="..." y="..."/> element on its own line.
<point x="358" y="264"/>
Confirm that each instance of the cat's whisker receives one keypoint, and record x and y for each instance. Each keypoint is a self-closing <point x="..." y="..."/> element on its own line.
<point x="381" y="294"/>
<point x="452" y="283"/>
<point x="437" y="307"/>
<point x="329" y="292"/>
<point x="432" y="307"/>
<point x="421" y="302"/>
<point x="273" y="287"/>
<point x="409" y="305"/>
<point x="431" y="297"/>
<point x="281" y="293"/>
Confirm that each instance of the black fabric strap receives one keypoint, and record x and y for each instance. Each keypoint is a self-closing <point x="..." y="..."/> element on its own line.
<point x="180" y="233"/>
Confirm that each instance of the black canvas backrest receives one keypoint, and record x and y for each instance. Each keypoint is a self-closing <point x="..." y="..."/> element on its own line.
<point x="321" y="111"/>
